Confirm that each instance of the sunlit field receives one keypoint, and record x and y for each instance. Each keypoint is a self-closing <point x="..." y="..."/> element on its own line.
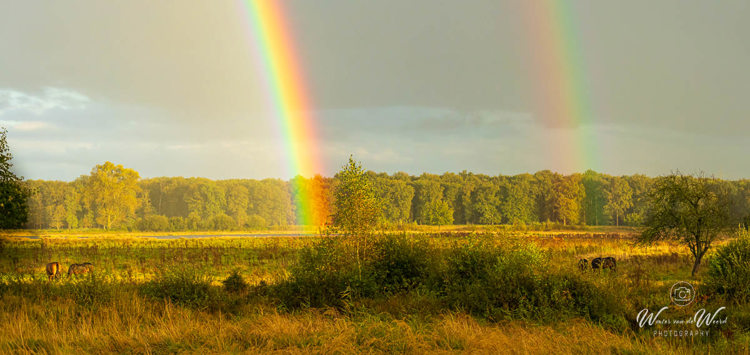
<point x="148" y="295"/>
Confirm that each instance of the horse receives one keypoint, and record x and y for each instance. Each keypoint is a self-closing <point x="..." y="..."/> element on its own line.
<point x="604" y="263"/>
<point x="583" y="264"/>
<point x="77" y="269"/>
<point x="609" y="263"/>
<point x="53" y="270"/>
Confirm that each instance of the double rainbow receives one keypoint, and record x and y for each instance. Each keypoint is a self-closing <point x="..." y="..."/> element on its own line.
<point x="291" y="99"/>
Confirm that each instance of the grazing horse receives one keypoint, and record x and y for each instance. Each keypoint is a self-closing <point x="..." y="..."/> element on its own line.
<point x="609" y="263"/>
<point x="583" y="264"/>
<point x="596" y="263"/>
<point x="604" y="263"/>
<point x="77" y="269"/>
<point x="53" y="270"/>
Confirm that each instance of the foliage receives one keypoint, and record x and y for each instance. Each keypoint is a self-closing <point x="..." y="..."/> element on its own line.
<point x="465" y="198"/>
<point x="619" y="199"/>
<point x="401" y="263"/>
<point x="13" y="194"/>
<point x="154" y="223"/>
<point x="111" y="191"/>
<point x="234" y="282"/>
<point x="729" y="269"/>
<point x="183" y="286"/>
<point x="690" y="209"/>
<point x="357" y="210"/>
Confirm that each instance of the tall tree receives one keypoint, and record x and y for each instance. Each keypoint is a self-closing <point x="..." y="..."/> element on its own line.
<point x="619" y="198"/>
<point x="690" y="209"/>
<point x="595" y="199"/>
<point x="113" y="193"/>
<point x="13" y="193"/>
<point x="566" y="197"/>
<point x="357" y="210"/>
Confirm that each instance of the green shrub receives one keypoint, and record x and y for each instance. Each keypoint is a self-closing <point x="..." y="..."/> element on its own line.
<point x="91" y="291"/>
<point x="185" y="287"/>
<point x="400" y="263"/>
<point x="324" y="274"/>
<point x="495" y="282"/>
<point x="222" y="222"/>
<point x="235" y="282"/>
<point x="155" y="223"/>
<point x="729" y="270"/>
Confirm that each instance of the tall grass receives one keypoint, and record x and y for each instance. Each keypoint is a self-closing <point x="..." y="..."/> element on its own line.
<point x="472" y="292"/>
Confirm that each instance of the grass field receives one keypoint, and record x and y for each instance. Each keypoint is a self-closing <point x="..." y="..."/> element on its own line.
<point x="166" y="296"/>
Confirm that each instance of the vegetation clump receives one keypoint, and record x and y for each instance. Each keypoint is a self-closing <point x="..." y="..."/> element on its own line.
<point x="729" y="269"/>
<point x="234" y="283"/>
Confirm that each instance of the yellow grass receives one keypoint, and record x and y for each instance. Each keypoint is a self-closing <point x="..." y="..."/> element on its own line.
<point x="131" y="325"/>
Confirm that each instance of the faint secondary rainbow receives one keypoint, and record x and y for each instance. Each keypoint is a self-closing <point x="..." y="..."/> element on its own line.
<point x="562" y="89"/>
<point x="272" y="37"/>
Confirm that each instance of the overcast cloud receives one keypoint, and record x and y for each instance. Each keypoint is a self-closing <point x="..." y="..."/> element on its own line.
<point x="173" y="87"/>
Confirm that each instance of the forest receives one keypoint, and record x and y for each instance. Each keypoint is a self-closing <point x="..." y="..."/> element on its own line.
<point x="115" y="197"/>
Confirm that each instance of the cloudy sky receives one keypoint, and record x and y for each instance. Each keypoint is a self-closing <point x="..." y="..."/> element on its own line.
<point x="174" y="88"/>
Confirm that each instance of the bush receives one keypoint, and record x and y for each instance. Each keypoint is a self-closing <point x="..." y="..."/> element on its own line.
<point x="255" y="221"/>
<point x="155" y="223"/>
<point x="729" y="270"/>
<point x="494" y="281"/>
<point x="235" y="282"/>
<point x="177" y="223"/>
<point x="222" y="222"/>
<point x="185" y="287"/>
<point x="324" y="275"/>
<point x="400" y="264"/>
<point x="91" y="291"/>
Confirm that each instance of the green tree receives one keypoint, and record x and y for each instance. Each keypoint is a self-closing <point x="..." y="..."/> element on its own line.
<point x="485" y="204"/>
<point x="437" y="213"/>
<point x="237" y="203"/>
<point x="690" y="209"/>
<point x="396" y="197"/>
<point x="13" y="193"/>
<point x="518" y="205"/>
<point x="357" y="210"/>
<point x="113" y="192"/>
<point x="595" y="199"/>
<point x="619" y="198"/>
<point x="566" y="197"/>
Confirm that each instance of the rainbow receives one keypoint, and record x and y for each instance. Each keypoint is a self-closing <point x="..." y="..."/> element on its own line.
<point x="290" y="98"/>
<point x="562" y="90"/>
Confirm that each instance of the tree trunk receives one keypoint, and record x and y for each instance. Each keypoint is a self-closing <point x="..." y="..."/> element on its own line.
<point x="696" y="264"/>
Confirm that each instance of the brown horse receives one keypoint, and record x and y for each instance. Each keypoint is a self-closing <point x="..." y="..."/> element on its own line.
<point x="77" y="269"/>
<point x="53" y="270"/>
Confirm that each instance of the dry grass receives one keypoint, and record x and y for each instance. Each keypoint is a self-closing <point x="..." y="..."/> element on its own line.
<point x="132" y="325"/>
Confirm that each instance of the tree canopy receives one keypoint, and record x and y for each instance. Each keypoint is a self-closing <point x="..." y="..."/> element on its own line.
<point x="13" y="194"/>
<point x="691" y="209"/>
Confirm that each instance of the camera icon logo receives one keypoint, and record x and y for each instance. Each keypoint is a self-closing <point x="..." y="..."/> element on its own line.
<point x="682" y="293"/>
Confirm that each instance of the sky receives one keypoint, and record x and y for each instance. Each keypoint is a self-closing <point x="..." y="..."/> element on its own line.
<point x="176" y="88"/>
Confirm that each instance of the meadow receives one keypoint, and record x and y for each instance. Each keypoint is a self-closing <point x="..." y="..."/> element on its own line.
<point x="455" y="289"/>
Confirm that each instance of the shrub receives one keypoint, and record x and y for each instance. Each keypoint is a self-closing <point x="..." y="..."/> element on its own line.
<point x="729" y="270"/>
<point x="324" y="275"/>
<point x="495" y="281"/>
<point x="177" y="223"/>
<point x="185" y="287"/>
<point x="222" y="222"/>
<point x="91" y="291"/>
<point x="255" y="221"/>
<point x="400" y="264"/>
<point x="155" y="223"/>
<point x="235" y="282"/>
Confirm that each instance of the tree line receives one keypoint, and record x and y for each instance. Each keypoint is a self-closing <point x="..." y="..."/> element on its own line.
<point x="114" y="197"/>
